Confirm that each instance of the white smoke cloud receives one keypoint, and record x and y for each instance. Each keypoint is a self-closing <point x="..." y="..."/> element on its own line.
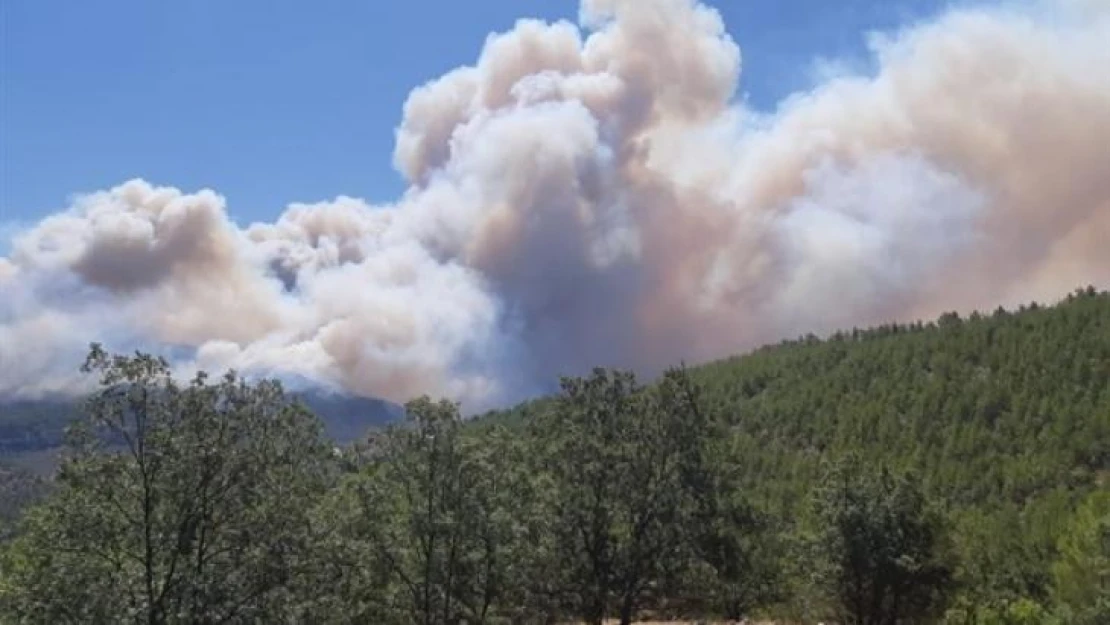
<point x="595" y="195"/>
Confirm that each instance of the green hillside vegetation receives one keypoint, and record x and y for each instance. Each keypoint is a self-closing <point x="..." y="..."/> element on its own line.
<point x="947" y="472"/>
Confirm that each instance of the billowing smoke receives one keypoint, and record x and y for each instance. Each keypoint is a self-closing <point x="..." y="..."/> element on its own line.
<point x="596" y="195"/>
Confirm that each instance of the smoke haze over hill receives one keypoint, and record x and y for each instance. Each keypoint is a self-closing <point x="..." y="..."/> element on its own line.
<point x="594" y="194"/>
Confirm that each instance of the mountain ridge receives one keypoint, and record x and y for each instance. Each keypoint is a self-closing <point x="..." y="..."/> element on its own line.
<point x="28" y="425"/>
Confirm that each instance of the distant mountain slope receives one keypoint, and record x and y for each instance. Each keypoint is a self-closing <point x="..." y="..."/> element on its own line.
<point x="27" y="425"/>
<point x="346" y="417"/>
<point x="33" y="425"/>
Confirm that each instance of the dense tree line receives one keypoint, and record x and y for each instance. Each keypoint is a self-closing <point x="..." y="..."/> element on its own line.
<point x="949" y="472"/>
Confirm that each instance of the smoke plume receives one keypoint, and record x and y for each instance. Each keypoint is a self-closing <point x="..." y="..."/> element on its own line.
<point x="595" y="194"/>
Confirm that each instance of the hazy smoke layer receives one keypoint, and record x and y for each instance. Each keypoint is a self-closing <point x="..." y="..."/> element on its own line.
<point x="595" y="195"/>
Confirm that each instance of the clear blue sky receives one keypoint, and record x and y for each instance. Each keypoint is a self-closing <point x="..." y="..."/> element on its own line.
<point x="276" y="101"/>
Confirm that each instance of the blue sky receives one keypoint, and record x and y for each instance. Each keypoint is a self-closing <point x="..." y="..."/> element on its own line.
<point x="277" y="101"/>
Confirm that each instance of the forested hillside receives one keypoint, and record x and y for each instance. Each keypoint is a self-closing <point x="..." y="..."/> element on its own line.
<point x="954" y="471"/>
<point x="1004" y="416"/>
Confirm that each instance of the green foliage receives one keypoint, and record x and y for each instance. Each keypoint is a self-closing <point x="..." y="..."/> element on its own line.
<point x="1022" y="611"/>
<point x="976" y="454"/>
<point x="18" y="489"/>
<point x="621" y="461"/>
<point x="200" y="517"/>
<point x="1081" y="576"/>
<point x="1005" y="418"/>
<point x="880" y="553"/>
<point x="427" y="523"/>
<point x="730" y="561"/>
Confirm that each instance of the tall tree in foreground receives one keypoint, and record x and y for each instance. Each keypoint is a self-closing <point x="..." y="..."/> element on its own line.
<point x="430" y="523"/>
<point x="617" y="456"/>
<point x="728" y="564"/>
<point x="880" y="549"/>
<point x="174" y="504"/>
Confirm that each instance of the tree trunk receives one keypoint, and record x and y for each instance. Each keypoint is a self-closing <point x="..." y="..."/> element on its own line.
<point x="627" y="609"/>
<point x="596" y="613"/>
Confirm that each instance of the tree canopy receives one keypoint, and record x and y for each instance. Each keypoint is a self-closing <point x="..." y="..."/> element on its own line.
<point x="949" y="472"/>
